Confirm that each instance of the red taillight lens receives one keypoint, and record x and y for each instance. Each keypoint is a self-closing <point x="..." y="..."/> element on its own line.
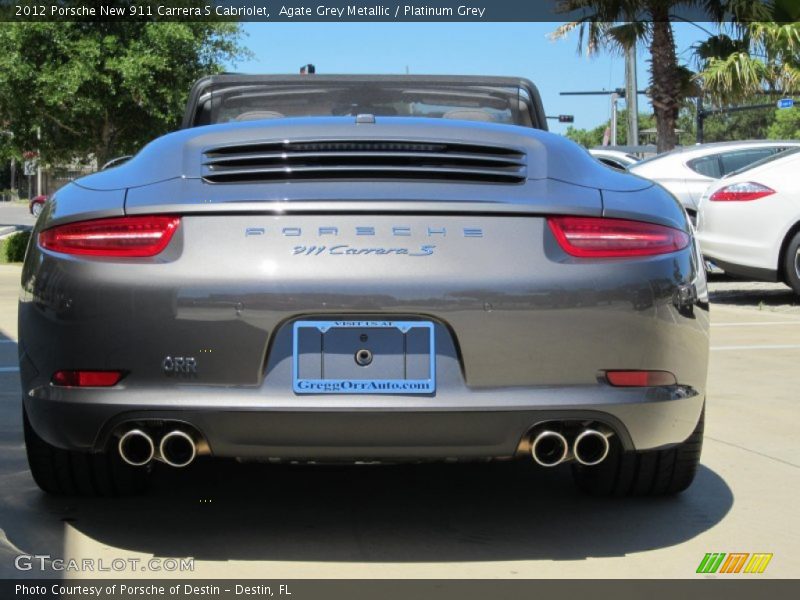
<point x="86" y="378"/>
<point x="597" y="237"/>
<point x="741" y="192"/>
<point x="640" y="378"/>
<point x="129" y="237"/>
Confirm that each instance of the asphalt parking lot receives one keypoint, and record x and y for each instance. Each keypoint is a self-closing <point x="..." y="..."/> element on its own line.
<point x="459" y="521"/>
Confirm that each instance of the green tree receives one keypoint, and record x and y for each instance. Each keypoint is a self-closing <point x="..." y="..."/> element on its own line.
<point x="614" y="24"/>
<point x="103" y="89"/>
<point x="765" y="58"/>
<point x="591" y="138"/>
<point x="588" y="138"/>
<point x="745" y="125"/>
<point x="786" y="125"/>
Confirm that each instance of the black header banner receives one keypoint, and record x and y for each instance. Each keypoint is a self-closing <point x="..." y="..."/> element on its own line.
<point x="342" y="11"/>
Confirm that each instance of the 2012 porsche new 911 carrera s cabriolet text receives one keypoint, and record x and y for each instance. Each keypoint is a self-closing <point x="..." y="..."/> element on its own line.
<point x="363" y="268"/>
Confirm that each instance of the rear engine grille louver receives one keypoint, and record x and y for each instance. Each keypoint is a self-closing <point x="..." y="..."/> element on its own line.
<point x="409" y="160"/>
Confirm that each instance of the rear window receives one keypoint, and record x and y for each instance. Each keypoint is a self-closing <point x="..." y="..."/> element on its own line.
<point x="733" y="161"/>
<point x="610" y="162"/>
<point x="725" y="163"/>
<point x="781" y="153"/>
<point x="707" y="165"/>
<point x="310" y="98"/>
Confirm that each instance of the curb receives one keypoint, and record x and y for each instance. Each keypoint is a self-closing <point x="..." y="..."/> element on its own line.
<point x="8" y="230"/>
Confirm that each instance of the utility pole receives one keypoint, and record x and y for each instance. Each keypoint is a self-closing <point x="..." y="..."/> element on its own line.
<point x="614" y="99"/>
<point x="38" y="163"/>
<point x="631" y="97"/>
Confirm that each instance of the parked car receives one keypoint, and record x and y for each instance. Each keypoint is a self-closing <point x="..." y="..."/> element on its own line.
<point x="415" y="270"/>
<point x="749" y="221"/>
<point x="115" y="162"/>
<point x="36" y="204"/>
<point x="687" y="172"/>
<point x="614" y="158"/>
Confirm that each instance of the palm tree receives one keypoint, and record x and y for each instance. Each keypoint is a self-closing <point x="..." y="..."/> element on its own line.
<point x="765" y="58"/>
<point x="619" y="24"/>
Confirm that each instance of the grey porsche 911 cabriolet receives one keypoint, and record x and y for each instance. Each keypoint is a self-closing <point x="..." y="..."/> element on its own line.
<point x="363" y="268"/>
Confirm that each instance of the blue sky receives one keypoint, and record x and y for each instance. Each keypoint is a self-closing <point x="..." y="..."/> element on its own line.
<point x="460" y="49"/>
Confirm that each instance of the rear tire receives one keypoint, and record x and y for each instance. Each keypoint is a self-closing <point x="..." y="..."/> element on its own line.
<point x="70" y="473"/>
<point x="649" y="473"/>
<point x="791" y="264"/>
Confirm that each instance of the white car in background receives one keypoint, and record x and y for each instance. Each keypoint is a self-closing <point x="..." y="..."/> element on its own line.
<point x="749" y="222"/>
<point x="615" y="159"/>
<point x="687" y="172"/>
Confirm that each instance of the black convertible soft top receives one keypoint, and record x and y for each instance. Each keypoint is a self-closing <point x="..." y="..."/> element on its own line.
<point x="207" y="92"/>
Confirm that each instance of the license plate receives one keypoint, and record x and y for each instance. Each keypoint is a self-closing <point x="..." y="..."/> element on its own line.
<point x="363" y="357"/>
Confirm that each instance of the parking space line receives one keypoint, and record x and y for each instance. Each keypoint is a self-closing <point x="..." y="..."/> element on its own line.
<point x="9" y="369"/>
<point x="755" y="323"/>
<point x="775" y="458"/>
<point x="759" y="347"/>
<point x="8" y="341"/>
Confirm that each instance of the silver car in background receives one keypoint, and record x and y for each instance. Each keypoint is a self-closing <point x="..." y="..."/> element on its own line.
<point x="363" y="268"/>
<point x="687" y="172"/>
<point x="615" y="159"/>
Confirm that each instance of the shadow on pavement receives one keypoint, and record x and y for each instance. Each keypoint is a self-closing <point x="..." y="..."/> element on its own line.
<point x="777" y="296"/>
<point x="735" y="291"/>
<point x="222" y="510"/>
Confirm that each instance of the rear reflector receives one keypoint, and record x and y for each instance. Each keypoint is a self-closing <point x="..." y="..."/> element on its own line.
<point x="640" y="378"/>
<point x="741" y="192"/>
<point x="86" y="378"/>
<point x="128" y="237"/>
<point x="598" y="237"/>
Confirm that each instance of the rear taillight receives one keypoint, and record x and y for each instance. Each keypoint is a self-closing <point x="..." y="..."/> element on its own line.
<point x="741" y="192"/>
<point x="128" y="237"/>
<point x="640" y="378"/>
<point x="597" y="237"/>
<point x="86" y="378"/>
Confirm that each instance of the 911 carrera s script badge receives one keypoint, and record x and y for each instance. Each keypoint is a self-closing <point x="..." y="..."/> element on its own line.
<point x="347" y="250"/>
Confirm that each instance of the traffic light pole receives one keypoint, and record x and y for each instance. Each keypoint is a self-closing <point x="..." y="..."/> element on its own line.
<point x="615" y="96"/>
<point x="702" y="113"/>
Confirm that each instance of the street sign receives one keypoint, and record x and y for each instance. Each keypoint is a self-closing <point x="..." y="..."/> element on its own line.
<point x="29" y="167"/>
<point x="785" y="103"/>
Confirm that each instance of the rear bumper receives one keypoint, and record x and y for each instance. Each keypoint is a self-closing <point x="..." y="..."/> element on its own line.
<point x="745" y="271"/>
<point x="468" y="424"/>
<point x="740" y="256"/>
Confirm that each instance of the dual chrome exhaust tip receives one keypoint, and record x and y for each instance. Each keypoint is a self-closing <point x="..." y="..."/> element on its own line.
<point x="136" y="448"/>
<point x="177" y="448"/>
<point x="590" y="447"/>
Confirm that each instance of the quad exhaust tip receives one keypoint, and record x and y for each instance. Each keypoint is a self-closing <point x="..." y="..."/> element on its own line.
<point x="591" y="447"/>
<point x="136" y="448"/>
<point x="549" y="448"/>
<point x="177" y="449"/>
